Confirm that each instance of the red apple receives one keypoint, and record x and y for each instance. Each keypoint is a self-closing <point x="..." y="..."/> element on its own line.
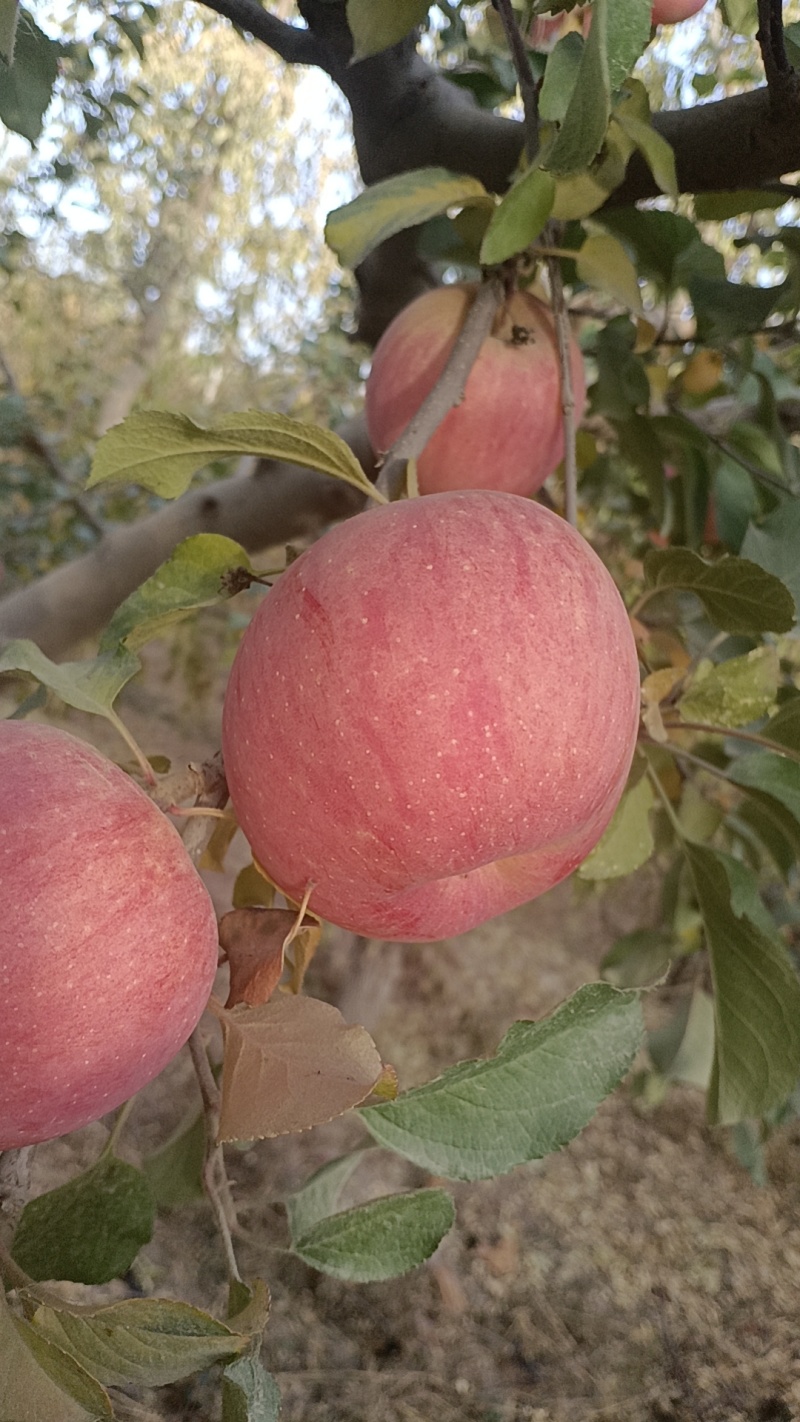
<point x="431" y="717"/>
<point x="109" y="942"/>
<point x="507" y="432"/>
<point x="671" y="12"/>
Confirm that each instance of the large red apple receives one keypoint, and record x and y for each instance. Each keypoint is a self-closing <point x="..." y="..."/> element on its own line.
<point x="671" y="12"/>
<point x="108" y="946"/>
<point x="431" y="717"/>
<point x="507" y="433"/>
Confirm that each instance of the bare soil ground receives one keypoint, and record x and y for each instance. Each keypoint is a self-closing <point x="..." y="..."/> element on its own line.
<point x="637" y="1276"/>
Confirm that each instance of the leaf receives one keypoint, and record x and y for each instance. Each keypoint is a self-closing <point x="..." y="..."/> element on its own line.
<point x="40" y="1383"/>
<point x="735" y="692"/>
<point x="770" y="774"/>
<point x="560" y="78"/>
<point x="319" y="1195"/>
<point x="384" y="208"/>
<point x="520" y="217"/>
<point x="8" y="30"/>
<point x="251" y="889"/>
<point x="375" y="25"/>
<point x="628" y="841"/>
<point x="756" y="992"/>
<point x="291" y="1064"/>
<point x="175" y="1172"/>
<point x="89" y="1230"/>
<point x="481" y="1118"/>
<point x="146" y="1341"/>
<point x="725" y="309"/>
<point x="380" y="1240"/>
<point x="88" y="686"/>
<point x="253" y="940"/>
<point x="720" y="207"/>
<point x="191" y="577"/>
<point x="627" y="37"/>
<point x="785" y="725"/>
<point x="638" y="959"/>
<point x="583" y="129"/>
<point x="658" y="238"/>
<point x="249" y="1393"/>
<point x="775" y="545"/>
<point x="655" y="150"/>
<point x="26" y="87"/>
<point x="684" y="1049"/>
<point x="736" y="593"/>
<point x="248" y="1307"/>
<point x="161" y="450"/>
<point x="603" y="262"/>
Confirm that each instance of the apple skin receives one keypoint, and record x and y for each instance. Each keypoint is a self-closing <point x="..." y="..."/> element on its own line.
<point x="671" y="12"/>
<point x="507" y="433"/>
<point x="109" y="945"/>
<point x="432" y="715"/>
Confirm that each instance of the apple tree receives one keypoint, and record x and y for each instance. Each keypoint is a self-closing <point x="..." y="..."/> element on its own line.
<point x="576" y="254"/>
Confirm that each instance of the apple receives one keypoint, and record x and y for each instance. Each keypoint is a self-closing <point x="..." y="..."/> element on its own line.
<point x="507" y="432"/>
<point x="431" y="717"/>
<point x="671" y="12"/>
<point x="109" y="941"/>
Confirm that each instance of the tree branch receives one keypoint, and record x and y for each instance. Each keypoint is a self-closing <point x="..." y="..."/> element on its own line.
<point x="295" y="45"/>
<point x="777" y="68"/>
<point x="525" y="79"/>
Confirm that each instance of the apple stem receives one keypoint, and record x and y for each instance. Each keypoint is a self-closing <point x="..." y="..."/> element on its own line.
<point x="215" y="1179"/>
<point x="449" y="388"/>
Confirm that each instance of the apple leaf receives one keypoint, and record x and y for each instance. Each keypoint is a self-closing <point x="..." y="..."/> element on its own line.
<point x="251" y="889"/>
<point x="9" y="11"/>
<point x="89" y="1230"/>
<point x="771" y="775"/>
<point x="191" y="577"/>
<point x="683" y="1050"/>
<point x="542" y="1086"/>
<point x="785" y="725"/>
<point x="773" y="544"/>
<point x="584" y="125"/>
<point x="756" y="991"/>
<point x="375" y="25"/>
<point x="88" y="686"/>
<point x="253" y="940"/>
<point x="719" y="207"/>
<point x="628" y="841"/>
<point x="520" y="217"/>
<point x="735" y="692"/>
<point x="638" y="959"/>
<point x="147" y="1341"/>
<point x="249" y="1393"/>
<point x="380" y="1240"/>
<point x="41" y="1383"/>
<point x="291" y="1064"/>
<point x="603" y="262"/>
<point x="161" y="450"/>
<point x="318" y="1197"/>
<point x="357" y="228"/>
<point x="737" y="594"/>
<point x="633" y="114"/>
<point x="26" y="86"/>
<point x="627" y="37"/>
<point x="560" y="78"/>
<point x="175" y="1172"/>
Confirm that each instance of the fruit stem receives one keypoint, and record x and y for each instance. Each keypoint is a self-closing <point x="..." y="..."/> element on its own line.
<point x="449" y="388"/>
<point x="215" y="1180"/>
<point x="146" y="767"/>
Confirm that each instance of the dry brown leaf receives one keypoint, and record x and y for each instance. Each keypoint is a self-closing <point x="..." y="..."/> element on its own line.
<point x="304" y="945"/>
<point x="253" y="939"/>
<point x="291" y="1064"/>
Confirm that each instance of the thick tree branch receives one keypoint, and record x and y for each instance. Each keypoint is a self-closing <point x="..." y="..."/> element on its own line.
<point x="295" y="45"/>
<point x="781" y="78"/>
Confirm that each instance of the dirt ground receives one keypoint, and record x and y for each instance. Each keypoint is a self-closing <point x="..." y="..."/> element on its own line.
<point x="637" y="1276"/>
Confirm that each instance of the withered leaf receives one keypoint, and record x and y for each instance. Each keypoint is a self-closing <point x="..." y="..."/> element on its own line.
<point x="253" y="940"/>
<point x="290" y="1064"/>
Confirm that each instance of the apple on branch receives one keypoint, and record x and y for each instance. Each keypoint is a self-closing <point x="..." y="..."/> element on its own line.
<point x="507" y="432"/>
<point x="109" y="943"/>
<point x="431" y="717"/>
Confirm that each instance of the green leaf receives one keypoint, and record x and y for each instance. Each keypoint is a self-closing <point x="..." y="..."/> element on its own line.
<point x="520" y="217"/>
<point x="719" y="207"/>
<point x="775" y="545"/>
<point x="638" y="959"/>
<point x="191" y="577"/>
<point x="737" y="594"/>
<point x="26" y="88"/>
<point x="725" y="309"/>
<point x="622" y="385"/>
<point x="249" y="1393"/>
<point x="560" y="78"/>
<point x="735" y="692"/>
<point x="627" y="37"/>
<point x="772" y="775"/>
<point x="39" y="1382"/>
<point x="785" y="725"/>
<point x="658" y="238"/>
<point x="147" y="1341"/>
<point x="655" y="150"/>
<point x="684" y="1049"/>
<point x="375" y="25"/>
<point x="603" y="262"/>
<point x="319" y="1195"/>
<point x="481" y="1118"/>
<point x="89" y="1230"/>
<point x="380" y="1240"/>
<point x="388" y="207"/>
<point x="581" y="134"/>
<point x="175" y="1172"/>
<point x="88" y="686"/>
<point x="756" y="992"/>
<point x="8" y="29"/>
<point x="161" y="450"/>
<point x="628" y="841"/>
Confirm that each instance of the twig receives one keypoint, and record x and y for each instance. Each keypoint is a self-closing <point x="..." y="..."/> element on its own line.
<point x="763" y="741"/>
<point x="563" y="339"/>
<point x="754" y="470"/>
<point x="36" y="441"/>
<point x="215" y="1180"/>
<point x="295" y="45"/>
<point x="525" y="79"/>
<point x="449" y="388"/>
<point x="214" y="796"/>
